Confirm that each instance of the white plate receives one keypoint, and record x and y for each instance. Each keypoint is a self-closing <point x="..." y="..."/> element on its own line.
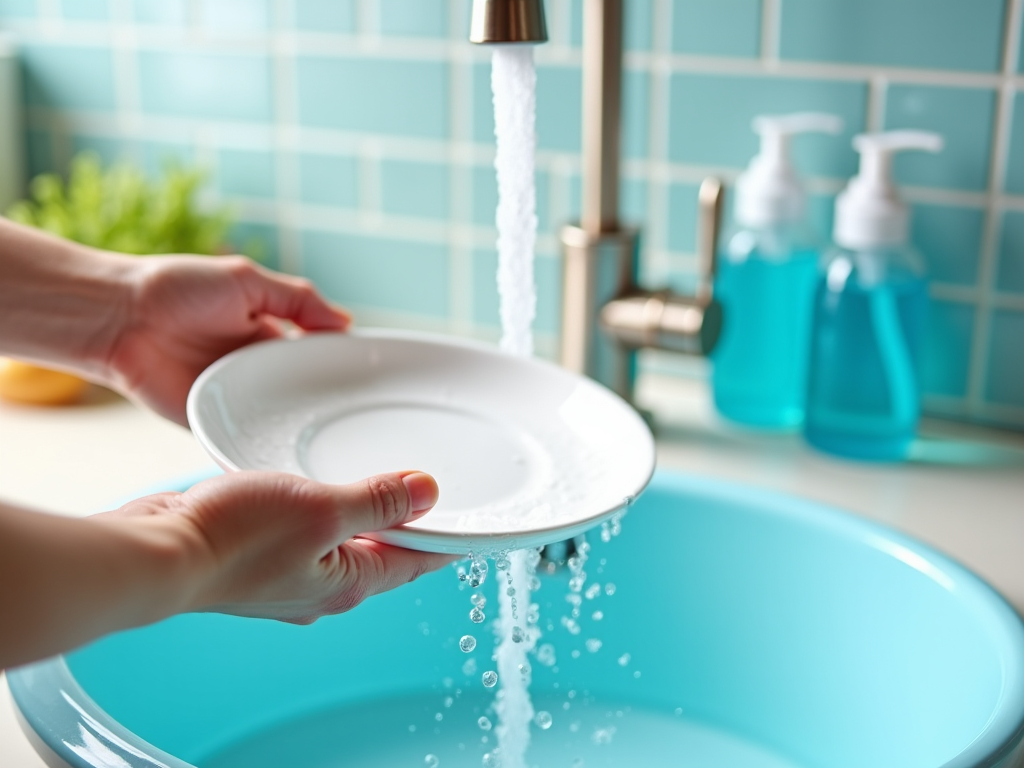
<point x="525" y="453"/>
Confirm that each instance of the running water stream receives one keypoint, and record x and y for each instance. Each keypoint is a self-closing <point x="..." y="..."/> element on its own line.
<point x="513" y="82"/>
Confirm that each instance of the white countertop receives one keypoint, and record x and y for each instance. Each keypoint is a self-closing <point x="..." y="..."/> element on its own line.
<point x="964" y="494"/>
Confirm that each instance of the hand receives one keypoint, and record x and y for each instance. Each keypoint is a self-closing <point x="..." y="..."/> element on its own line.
<point x="277" y="546"/>
<point x="185" y="312"/>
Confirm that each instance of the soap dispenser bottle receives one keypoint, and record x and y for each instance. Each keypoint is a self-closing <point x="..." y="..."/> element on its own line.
<point x="766" y="276"/>
<point x="870" y="314"/>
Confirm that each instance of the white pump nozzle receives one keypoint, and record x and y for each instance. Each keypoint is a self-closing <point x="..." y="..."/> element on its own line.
<point x="869" y="212"/>
<point x="769" y="191"/>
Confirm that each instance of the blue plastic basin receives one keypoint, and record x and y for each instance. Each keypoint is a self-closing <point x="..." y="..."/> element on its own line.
<point x="761" y="631"/>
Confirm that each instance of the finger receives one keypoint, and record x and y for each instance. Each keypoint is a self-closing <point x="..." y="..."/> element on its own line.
<point x="296" y="299"/>
<point x="373" y="568"/>
<point x="384" y="501"/>
<point x="268" y="328"/>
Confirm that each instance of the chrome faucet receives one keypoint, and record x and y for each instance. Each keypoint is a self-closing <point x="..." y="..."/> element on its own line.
<point x="606" y="316"/>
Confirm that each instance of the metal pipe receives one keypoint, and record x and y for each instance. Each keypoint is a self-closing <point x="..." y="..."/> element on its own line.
<point x="602" y="114"/>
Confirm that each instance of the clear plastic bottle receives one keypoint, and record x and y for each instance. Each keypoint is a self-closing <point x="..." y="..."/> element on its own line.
<point x="870" y="316"/>
<point x="767" y="271"/>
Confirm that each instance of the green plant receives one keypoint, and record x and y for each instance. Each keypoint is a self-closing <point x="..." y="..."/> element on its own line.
<point x="119" y="209"/>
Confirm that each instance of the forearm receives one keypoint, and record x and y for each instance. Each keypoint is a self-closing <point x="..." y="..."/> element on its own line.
<point x="60" y="303"/>
<point x="66" y="581"/>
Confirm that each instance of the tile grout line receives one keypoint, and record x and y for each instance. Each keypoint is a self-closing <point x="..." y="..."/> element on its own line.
<point x="460" y="254"/>
<point x="981" y="341"/>
<point x="286" y="162"/>
<point x="655" y="242"/>
<point x="771" y="31"/>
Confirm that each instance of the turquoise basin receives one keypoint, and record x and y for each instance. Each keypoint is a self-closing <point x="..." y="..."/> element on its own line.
<point x="761" y="631"/>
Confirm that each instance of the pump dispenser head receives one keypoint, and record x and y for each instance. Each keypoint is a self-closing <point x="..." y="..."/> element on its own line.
<point x="769" y="191"/>
<point x="869" y="212"/>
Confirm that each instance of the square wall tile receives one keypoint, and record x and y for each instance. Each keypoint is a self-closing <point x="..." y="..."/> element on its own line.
<point x="950" y="240"/>
<point x="633" y="201"/>
<point x="711" y="118"/>
<point x="483" y="104"/>
<point x="947" y="354"/>
<point x="1010" y="273"/>
<point x="68" y="77"/>
<point x="638" y="25"/>
<point x="210" y="86"/>
<point x="963" y="116"/>
<point x="1015" y="163"/>
<point x="109" y="151"/>
<point x="416" y="189"/>
<point x="171" y="13"/>
<point x="682" y="217"/>
<point x="326" y="15"/>
<point x="246" y="173"/>
<point x="397" y="97"/>
<point x="559" y="108"/>
<point x="85" y="10"/>
<point x="934" y="34"/>
<point x="406" y="276"/>
<point x="256" y="240"/>
<point x="1006" y="363"/>
<point x="329" y="180"/>
<point x="17" y="9"/>
<point x="415" y="18"/>
<point x="717" y="28"/>
<point x="232" y="18"/>
<point x="547" y="275"/>
<point x="636" y="109"/>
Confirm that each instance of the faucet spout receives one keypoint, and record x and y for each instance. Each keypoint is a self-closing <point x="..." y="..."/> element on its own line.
<point x="508" y="21"/>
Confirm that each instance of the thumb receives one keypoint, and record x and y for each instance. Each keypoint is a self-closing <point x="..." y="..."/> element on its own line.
<point x="384" y="501"/>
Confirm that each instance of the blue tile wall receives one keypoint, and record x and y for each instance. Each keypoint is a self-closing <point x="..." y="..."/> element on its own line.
<point x="318" y="16"/>
<point x="948" y="351"/>
<point x="354" y="140"/>
<point x="939" y="34"/>
<point x="344" y="93"/>
<point x="964" y="118"/>
<point x="950" y="240"/>
<point x="246" y="173"/>
<point x="329" y="180"/>
<point x="722" y="28"/>
<point x="211" y="86"/>
<point x="711" y="118"/>
<point x="1010" y="274"/>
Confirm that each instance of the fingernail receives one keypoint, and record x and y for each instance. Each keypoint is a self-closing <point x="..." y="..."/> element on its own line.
<point x="422" y="490"/>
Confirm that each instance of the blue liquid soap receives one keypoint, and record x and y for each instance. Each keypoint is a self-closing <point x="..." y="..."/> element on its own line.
<point x="870" y="317"/>
<point x="760" y="363"/>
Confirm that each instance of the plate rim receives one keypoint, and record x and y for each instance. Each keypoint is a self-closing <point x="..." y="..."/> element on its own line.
<point x="452" y="542"/>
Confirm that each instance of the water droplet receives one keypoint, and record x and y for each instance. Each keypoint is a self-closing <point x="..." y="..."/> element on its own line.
<point x="469" y="668"/>
<point x="477" y="599"/>
<point x="677" y="711"/>
<point x="502" y="563"/>
<point x="489" y="678"/>
<point x="491" y="761"/>
<point x="571" y="625"/>
<point x="571" y="694"/>
<point x="606" y="533"/>
<point x="484" y="723"/>
<point x="609" y="589"/>
<point x="476" y="615"/>
<point x="439" y="717"/>
<point x="577" y="581"/>
<point x="534" y="583"/>
<point x="597" y="615"/>
<point x="448" y="701"/>
<point x="603" y="735"/>
<point x="412" y="729"/>
<point x="518" y="635"/>
<point x="462" y="573"/>
<point x="574" y="727"/>
<point x="468" y="642"/>
<point x="431" y="761"/>
<point x="525" y="668"/>
<point x="624" y="659"/>
<point x="594" y="645"/>
<point x="546" y="654"/>
<point x="575" y="653"/>
<point x="593" y="591"/>
<point x="511" y="591"/>
<point x="543" y="720"/>
<point x="636" y="675"/>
